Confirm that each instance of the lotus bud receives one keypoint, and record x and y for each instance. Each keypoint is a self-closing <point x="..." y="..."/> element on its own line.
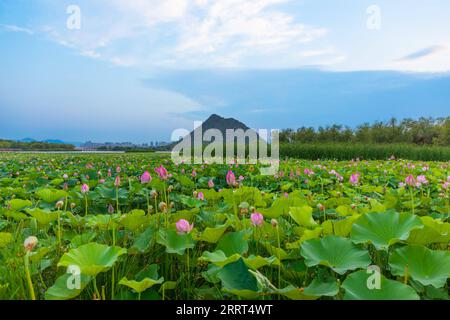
<point x="153" y="194"/>
<point x="73" y="205"/>
<point x="170" y="188"/>
<point x="321" y="207"/>
<point x="110" y="209"/>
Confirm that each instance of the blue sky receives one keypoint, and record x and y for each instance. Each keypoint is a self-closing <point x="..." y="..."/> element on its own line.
<point x="136" y="70"/>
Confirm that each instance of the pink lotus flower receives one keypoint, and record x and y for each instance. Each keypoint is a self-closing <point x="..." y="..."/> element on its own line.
<point x="445" y="185"/>
<point x="162" y="173"/>
<point x="84" y="188"/>
<point x="231" y="178"/>
<point x="425" y="168"/>
<point x="183" y="171"/>
<point x="110" y="209"/>
<point x="109" y="173"/>
<point x="194" y="173"/>
<point x="183" y="226"/>
<point x="448" y="179"/>
<point x="201" y="196"/>
<point x="118" y="169"/>
<point x="65" y="176"/>
<point x="410" y="180"/>
<point x="146" y="177"/>
<point x="211" y="183"/>
<point x="354" y="178"/>
<point x="257" y="219"/>
<point x="101" y="181"/>
<point x="117" y="182"/>
<point x="308" y="172"/>
<point x="401" y="184"/>
<point x="241" y="178"/>
<point x="422" y="179"/>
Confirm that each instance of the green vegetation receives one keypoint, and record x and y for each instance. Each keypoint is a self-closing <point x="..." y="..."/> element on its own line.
<point x="425" y="131"/>
<point x="34" y="146"/>
<point x="370" y="151"/>
<point x="138" y="227"/>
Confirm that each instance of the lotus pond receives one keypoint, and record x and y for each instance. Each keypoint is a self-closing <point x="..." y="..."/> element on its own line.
<point x="129" y="227"/>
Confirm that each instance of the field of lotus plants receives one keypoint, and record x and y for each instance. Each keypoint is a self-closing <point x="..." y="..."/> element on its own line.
<point x="138" y="227"/>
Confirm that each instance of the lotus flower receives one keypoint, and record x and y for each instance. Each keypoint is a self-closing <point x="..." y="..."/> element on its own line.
<point x="183" y="226"/>
<point x="308" y="172"/>
<point x="118" y="169"/>
<point x="109" y="173"/>
<point x="231" y="178"/>
<point x="211" y="183"/>
<point x="354" y="178"/>
<point x="201" y="196"/>
<point x="257" y="219"/>
<point x="410" y="180"/>
<point x="30" y="243"/>
<point x="162" y="173"/>
<point x="241" y="178"/>
<point x="445" y="185"/>
<point x="146" y="177"/>
<point x="117" y="182"/>
<point x="84" y="188"/>
<point x="194" y="173"/>
<point x="65" y="176"/>
<point x="101" y="181"/>
<point x="422" y="179"/>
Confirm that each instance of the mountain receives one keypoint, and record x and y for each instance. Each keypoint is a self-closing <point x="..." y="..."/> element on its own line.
<point x="54" y="141"/>
<point x="27" y="140"/>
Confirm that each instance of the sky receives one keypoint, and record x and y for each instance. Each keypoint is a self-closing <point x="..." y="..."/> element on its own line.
<point x="121" y="70"/>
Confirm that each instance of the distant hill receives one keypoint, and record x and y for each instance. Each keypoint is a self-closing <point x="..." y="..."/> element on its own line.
<point x="223" y="124"/>
<point x="53" y="141"/>
<point x="220" y="123"/>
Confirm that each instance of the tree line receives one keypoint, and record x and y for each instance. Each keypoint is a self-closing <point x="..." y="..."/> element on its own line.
<point x="424" y="131"/>
<point x="34" y="146"/>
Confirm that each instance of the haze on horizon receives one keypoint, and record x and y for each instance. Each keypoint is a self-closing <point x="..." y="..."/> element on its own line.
<point x="136" y="70"/>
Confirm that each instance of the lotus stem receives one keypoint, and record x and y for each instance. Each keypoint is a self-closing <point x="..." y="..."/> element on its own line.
<point x="27" y="273"/>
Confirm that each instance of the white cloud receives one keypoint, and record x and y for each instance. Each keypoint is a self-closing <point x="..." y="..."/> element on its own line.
<point x="190" y="33"/>
<point x="430" y="59"/>
<point x="14" y="28"/>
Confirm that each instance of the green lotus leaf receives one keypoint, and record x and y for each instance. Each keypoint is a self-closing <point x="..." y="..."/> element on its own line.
<point x="236" y="279"/>
<point x="357" y="288"/>
<point x="429" y="267"/>
<point x="19" y="204"/>
<point x="212" y="235"/>
<point x="92" y="258"/>
<point x="340" y="254"/>
<point x="256" y="262"/>
<point x="134" y="220"/>
<point x="319" y="288"/>
<point x="43" y="217"/>
<point x="5" y="239"/>
<point x="294" y="293"/>
<point x="60" y="290"/>
<point x="384" y="229"/>
<point x="144" y="241"/>
<point x="102" y="221"/>
<point x="51" y="195"/>
<point x="174" y="242"/>
<point x="233" y="242"/>
<point x="219" y="258"/>
<point x="141" y="286"/>
<point x="303" y="216"/>
<point x="434" y="231"/>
